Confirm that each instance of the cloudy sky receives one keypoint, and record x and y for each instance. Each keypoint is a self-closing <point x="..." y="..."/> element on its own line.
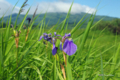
<point x="106" y="7"/>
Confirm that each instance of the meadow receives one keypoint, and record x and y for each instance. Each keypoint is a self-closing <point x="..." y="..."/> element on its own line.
<point x="24" y="57"/>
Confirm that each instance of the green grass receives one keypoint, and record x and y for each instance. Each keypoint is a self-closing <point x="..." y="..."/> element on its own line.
<point x="36" y="61"/>
<point x="96" y="58"/>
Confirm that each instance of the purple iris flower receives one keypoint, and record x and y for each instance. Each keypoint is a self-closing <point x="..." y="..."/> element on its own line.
<point x="68" y="47"/>
<point x="45" y="36"/>
<point x="29" y="19"/>
<point x="51" y="39"/>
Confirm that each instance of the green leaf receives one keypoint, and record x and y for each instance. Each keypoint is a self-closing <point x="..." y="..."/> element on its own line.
<point x="102" y="72"/>
<point x="69" y="71"/>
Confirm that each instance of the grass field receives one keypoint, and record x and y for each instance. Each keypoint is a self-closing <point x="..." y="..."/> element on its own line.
<point x="35" y="60"/>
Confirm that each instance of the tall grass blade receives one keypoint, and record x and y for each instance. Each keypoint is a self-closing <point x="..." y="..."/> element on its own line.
<point x="54" y="69"/>
<point x="76" y="27"/>
<point x="69" y="70"/>
<point x="102" y="72"/>
<point x="66" y="18"/>
<point x="115" y="58"/>
<point x="86" y="33"/>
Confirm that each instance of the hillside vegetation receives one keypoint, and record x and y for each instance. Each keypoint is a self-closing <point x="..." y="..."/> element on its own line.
<point x="54" y="18"/>
<point x="113" y="26"/>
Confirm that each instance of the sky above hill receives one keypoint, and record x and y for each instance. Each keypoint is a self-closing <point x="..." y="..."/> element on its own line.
<point x="106" y="7"/>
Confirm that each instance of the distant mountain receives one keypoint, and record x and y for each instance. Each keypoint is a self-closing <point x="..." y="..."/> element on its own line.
<point x="53" y="18"/>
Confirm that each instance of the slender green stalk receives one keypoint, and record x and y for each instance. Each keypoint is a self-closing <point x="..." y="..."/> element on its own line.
<point x="69" y="70"/>
<point x="102" y="72"/>
<point x="54" y="69"/>
<point x="17" y="74"/>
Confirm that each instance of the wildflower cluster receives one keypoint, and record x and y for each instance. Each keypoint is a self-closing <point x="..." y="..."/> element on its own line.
<point x="66" y="43"/>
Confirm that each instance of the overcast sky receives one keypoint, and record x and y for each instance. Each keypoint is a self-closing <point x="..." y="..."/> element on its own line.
<point x="106" y="7"/>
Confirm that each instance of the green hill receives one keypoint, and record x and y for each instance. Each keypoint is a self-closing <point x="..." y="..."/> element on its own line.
<point x="53" y="18"/>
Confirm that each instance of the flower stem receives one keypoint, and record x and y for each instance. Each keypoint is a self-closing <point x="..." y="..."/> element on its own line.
<point x="17" y="76"/>
<point x="65" y="59"/>
<point x="17" y="41"/>
<point x="63" y="71"/>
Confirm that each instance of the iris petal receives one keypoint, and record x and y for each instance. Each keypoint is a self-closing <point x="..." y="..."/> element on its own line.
<point x="40" y="38"/>
<point x="65" y="44"/>
<point x="67" y="35"/>
<point x="54" y="49"/>
<point x="45" y="36"/>
<point x="69" y="47"/>
<point x="55" y="34"/>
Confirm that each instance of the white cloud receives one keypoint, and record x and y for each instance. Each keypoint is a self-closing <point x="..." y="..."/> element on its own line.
<point x="57" y="6"/>
<point x="61" y="7"/>
<point x="5" y="6"/>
